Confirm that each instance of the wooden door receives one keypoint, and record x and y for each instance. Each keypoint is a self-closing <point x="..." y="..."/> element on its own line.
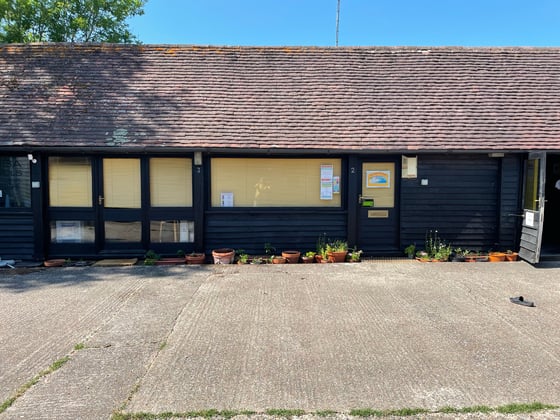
<point x="378" y="214"/>
<point x="533" y="207"/>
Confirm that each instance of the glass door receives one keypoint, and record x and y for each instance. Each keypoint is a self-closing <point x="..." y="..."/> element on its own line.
<point x="533" y="207"/>
<point x="120" y="204"/>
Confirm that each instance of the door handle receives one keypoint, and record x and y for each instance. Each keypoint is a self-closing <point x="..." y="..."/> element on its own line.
<point x="100" y="200"/>
<point x="365" y="201"/>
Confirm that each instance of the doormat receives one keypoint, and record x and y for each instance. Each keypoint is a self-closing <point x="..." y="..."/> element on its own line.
<point x="116" y="262"/>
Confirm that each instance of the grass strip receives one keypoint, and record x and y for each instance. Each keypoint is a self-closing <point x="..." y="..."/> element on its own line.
<point x="514" y="408"/>
<point x="22" y="389"/>
<point x="524" y="408"/>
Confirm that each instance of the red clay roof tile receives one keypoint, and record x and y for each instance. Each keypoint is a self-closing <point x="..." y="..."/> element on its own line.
<point x="347" y="99"/>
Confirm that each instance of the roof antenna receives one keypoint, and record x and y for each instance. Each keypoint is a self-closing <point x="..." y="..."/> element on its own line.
<point x="337" y="18"/>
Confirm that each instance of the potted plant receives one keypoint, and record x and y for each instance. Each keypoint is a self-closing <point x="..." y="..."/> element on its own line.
<point x="277" y="259"/>
<point x="443" y="253"/>
<point x="422" y="256"/>
<point x="436" y="249"/>
<point x="195" y="258"/>
<point x="242" y="257"/>
<point x="511" y="256"/>
<point x="410" y="251"/>
<point x="57" y="262"/>
<point x="257" y="260"/>
<point x="355" y="255"/>
<point x="321" y="245"/>
<point x="151" y="257"/>
<point x="292" y="257"/>
<point x="496" y="256"/>
<point x="308" y="257"/>
<point x="476" y="256"/>
<point x="223" y="255"/>
<point x="337" y="250"/>
<point x="269" y="249"/>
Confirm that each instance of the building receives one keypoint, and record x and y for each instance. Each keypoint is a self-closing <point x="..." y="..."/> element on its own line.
<point x="110" y="150"/>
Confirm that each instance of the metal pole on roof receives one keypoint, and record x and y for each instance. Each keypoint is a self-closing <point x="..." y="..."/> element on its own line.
<point x="337" y="19"/>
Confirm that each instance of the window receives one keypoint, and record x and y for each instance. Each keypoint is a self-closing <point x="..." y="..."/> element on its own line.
<point x="255" y="182"/>
<point x="123" y="231"/>
<point x="530" y="198"/>
<point x="15" y="182"/>
<point x="121" y="183"/>
<point x="171" y="182"/>
<point x="70" y="182"/>
<point x="171" y="231"/>
<point x="72" y="231"/>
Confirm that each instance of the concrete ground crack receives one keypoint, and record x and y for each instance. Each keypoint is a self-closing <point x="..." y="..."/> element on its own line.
<point x="158" y="351"/>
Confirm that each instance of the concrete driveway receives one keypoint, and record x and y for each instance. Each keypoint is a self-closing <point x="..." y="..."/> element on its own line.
<point x="380" y="335"/>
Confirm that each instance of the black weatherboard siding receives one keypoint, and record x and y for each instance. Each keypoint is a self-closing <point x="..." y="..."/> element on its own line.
<point x="284" y="228"/>
<point x="460" y="201"/>
<point x="16" y="236"/>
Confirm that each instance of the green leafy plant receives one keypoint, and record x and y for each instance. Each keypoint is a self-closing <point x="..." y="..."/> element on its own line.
<point x="460" y="252"/>
<point x="68" y="21"/>
<point x="242" y="257"/>
<point x="337" y="245"/>
<point x="435" y="247"/>
<point x="269" y="249"/>
<point x="321" y="245"/>
<point x="355" y="255"/>
<point x="310" y="254"/>
<point x="151" y="257"/>
<point x="410" y="250"/>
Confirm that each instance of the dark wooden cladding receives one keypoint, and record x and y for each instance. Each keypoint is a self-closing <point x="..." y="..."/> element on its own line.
<point x="510" y="213"/>
<point x="16" y="236"/>
<point x="283" y="229"/>
<point x="378" y="236"/>
<point x="460" y="201"/>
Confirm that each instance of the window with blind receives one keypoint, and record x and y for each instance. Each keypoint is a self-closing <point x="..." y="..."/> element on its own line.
<point x="171" y="182"/>
<point x="70" y="182"/>
<point x="255" y="182"/>
<point x="121" y="183"/>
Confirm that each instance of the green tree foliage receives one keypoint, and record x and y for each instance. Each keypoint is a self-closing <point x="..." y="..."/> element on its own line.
<point x="67" y="20"/>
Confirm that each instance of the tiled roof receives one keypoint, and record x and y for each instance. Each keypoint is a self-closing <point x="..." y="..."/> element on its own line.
<point x="368" y="98"/>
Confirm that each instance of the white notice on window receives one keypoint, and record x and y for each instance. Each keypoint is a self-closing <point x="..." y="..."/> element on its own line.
<point x="529" y="219"/>
<point x="326" y="182"/>
<point x="184" y="232"/>
<point x="227" y="199"/>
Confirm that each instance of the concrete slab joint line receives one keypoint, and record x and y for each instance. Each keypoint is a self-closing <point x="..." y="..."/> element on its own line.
<point x="156" y="354"/>
<point x="309" y="338"/>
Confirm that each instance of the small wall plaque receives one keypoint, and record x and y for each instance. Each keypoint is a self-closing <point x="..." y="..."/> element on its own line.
<point x="378" y="214"/>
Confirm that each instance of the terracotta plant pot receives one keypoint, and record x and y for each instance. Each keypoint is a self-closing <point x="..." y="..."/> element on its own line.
<point x="496" y="257"/>
<point x="337" y="256"/>
<point x="195" y="258"/>
<point x="223" y="255"/>
<point x="54" y="263"/>
<point x="318" y="258"/>
<point x="307" y="260"/>
<point x="279" y="260"/>
<point x="292" y="257"/>
<point x="512" y="256"/>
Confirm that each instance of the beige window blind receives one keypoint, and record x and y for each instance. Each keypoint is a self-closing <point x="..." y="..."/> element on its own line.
<point x="70" y="182"/>
<point x="171" y="182"/>
<point x="121" y="183"/>
<point x="254" y="182"/>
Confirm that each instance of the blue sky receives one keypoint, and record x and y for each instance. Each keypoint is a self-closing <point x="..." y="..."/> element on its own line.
<point x="362" y="22"/>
